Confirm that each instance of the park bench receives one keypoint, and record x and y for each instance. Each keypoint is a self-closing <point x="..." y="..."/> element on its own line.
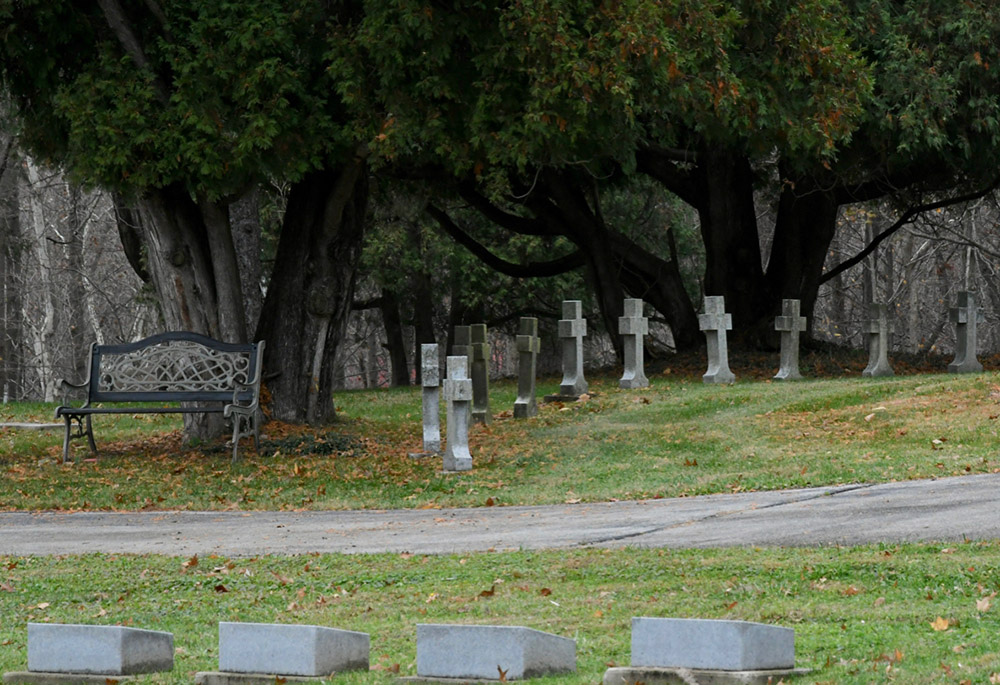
<point x="202" y="374"/>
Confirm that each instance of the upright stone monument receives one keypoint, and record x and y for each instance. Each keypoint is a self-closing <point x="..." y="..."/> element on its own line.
<point x="430" y="379"/>
<point x="790" y="324"/>
<point x="458" y="395"/>
<point x="463" y="345"/>
<point x="572" y="329"/>
<point x="879" y="330"/>
<point x="715" y="322"/>
<point x="528" y="347"/>
<point x="965" y="316"/>
<point x="633" y="327"/>
<point x="480" y="372"/>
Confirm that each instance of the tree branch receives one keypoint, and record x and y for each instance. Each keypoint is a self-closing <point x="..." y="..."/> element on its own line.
<point x="118" y="23"/>
<point x="574" y="260"/>
<point x="506" y="220"/>
<point x="907" y="218"/>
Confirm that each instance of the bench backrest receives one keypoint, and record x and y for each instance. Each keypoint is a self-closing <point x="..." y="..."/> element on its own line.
<point x="172" y="367"/>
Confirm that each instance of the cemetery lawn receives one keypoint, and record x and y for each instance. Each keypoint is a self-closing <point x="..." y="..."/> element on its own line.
<point x="889" y="613"/>
<point x="679" y="437"/>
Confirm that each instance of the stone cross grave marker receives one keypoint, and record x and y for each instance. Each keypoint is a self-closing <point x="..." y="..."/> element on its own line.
<point x="715" y="322"/>
<point x="572" y="329"/>
<point x="463" y="345"/>
<point x="430" y="379"/>
<point x="528" y="347"/>
<point x="790" y="324"/>
<point x="633" y="328"/>
<point x="491" y="652"/>
<point x="458" y="396"/>
<point x="966" y="316"/>
<point x="480" y="351"/>
<point x="879" y="330"/>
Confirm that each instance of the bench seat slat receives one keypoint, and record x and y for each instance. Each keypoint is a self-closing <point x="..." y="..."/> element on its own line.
<point x="70" y="411"/>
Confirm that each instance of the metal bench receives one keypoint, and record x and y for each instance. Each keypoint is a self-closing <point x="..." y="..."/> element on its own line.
<point x="206" y="375"/>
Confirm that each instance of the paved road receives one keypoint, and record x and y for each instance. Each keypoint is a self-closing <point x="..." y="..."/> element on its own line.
<point x="947" y="509"/>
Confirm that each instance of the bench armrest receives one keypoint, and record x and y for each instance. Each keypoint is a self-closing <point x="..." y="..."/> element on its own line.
<point x="252" y="386"/>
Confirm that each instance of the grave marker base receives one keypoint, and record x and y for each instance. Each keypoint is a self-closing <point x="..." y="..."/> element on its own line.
<point x="622" y="675"/>
<point x="227" y="678"/>
<point x="43" y="678"/>
<point x="562" y="398"/>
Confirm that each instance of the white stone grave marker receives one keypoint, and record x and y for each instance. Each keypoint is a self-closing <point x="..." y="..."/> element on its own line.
<point x="528" y="347"/>
<point x="457" y="392"/>
<point x="633" y="327"/>
<point x="790" y="324"/>
<point x="715" y="322"/>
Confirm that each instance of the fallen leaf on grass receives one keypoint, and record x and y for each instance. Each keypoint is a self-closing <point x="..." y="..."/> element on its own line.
<point x="983" y="604"/>
<point x="503" y="674"/>
<point x="940" y="624"/>
<point x="545" y="592"/>
<point x="490" y="592"/>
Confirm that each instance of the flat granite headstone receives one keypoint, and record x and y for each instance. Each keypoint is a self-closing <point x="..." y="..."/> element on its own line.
<point x="484" y="652"/>
<point x="480" y="374"/>
<point x="528" y="347"/>
<point x="430" y="379"/>
<point x="572" y="329"/>
<point x="98" y="650"/>
<point x="458" y="396"/>
<point x="297" y="650"/>
<point x="966" y="316"/>
<point x="633" y="327"/>
<point x="715" y="322"/>
<point x="790" y="324"/>
<point x="879" y="330"/>
<point x="682" y="650"/>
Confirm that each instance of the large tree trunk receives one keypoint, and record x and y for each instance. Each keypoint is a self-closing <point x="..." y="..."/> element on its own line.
<point x="805" y="225"/>
<point x="395" y="343"/>
<point x="312" y="287"/>
<point x="191" y="262"/>
<point x="732" y="245"/>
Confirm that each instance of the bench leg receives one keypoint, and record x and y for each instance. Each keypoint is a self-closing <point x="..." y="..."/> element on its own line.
<point x="66" y="437"/>
<point x="236" y="436"/>
<point x="90" y="436"/>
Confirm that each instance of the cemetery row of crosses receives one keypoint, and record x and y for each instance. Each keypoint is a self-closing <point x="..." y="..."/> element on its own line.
<point x="466" y="387"/>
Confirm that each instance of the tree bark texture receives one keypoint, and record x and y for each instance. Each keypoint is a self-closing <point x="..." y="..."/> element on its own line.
<point x="396" y="344"/>
<point x="309" y="298"/>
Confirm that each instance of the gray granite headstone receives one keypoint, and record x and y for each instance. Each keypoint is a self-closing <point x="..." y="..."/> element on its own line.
<point x="100" y="650"/>
<point x="459" y="651"/>
<point x="528" y="347"/>
<point x="966" y="316"/>
<point x="480" y="373"/>
<point x="711" y="644"/>
<point x="296" y="650"/>
<point x="633" y="327"/>
<point x="790" y="324"/>
<point x="457" y="391"/>
<point x="572" y="329"/>
<point x="430" y="379"/>
<point x="715" y="322"/>
<point x="879" y="330"/>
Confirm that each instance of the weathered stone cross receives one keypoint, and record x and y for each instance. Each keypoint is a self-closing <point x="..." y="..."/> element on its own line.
<point x="528" y="347"/>
<point x="790" y="324"/>
<point x="715" y="322"/>
<point x="965" y="316"/>
<point x="458" y="395"/>
<point x="633" y="328"/>
<point x="879" y="330"/>
<point x="572" y="329"/>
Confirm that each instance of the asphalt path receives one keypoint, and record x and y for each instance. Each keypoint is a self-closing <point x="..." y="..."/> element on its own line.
<point x="945" y="509"/>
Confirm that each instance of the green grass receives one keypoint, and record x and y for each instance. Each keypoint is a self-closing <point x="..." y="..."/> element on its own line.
<point x="676" y="438"/>
<point x="860" y="615"/>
